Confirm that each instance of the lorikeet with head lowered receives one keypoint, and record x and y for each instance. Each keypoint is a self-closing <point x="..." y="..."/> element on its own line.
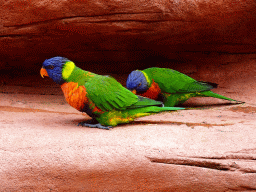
<point x="170" y="86"/>
<point x="101" y="97"/>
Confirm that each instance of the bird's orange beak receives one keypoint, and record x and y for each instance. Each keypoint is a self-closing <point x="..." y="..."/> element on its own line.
<point x="134" y="91"/>
<point x="43" y="72"/>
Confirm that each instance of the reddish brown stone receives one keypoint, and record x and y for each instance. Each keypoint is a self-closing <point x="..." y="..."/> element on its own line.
<point x="123" y="31"/>
<point x="210" y="147"/>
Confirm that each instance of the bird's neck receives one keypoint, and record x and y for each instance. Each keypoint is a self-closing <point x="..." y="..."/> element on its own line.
<point x="148" y="79"/>
<point x="80" y="76"/>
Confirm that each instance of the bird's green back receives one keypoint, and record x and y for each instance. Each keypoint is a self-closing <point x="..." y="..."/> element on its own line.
<point x="171" y="81"/>
<point x="108" y="94"/>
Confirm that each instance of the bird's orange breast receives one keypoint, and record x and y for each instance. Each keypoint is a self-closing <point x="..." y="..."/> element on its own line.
<point x="75" y="95"/>
<point x="153" y="91"/>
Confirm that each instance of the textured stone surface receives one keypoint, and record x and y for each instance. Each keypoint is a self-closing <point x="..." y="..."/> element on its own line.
<point x="123" y="31"/>
<point x="210" y="147"/>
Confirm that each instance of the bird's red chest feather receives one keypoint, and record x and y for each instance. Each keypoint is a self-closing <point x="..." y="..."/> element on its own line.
<point x="153" y="91"/>
<point x="75" y="95"/>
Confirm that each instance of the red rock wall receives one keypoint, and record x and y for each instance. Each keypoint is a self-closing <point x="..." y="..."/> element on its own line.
<point x="123" y="31"/>
<point x="211" y="148"/>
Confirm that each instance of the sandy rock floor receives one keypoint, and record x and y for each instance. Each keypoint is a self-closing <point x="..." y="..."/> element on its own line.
<point x="211" y="146"/>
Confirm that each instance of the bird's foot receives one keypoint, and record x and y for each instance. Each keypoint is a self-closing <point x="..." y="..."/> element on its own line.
<point x="93" y="123"/>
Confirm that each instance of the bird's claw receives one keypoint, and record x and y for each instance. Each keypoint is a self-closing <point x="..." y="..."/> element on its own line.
<point x="94" y="125"/>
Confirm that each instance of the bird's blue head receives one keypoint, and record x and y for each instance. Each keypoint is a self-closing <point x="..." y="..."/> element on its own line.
<point x="137" y="80"/>
<point x="54" y="68"/>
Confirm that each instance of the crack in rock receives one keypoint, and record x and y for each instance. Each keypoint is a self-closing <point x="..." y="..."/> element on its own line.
<point x="182" y="123"/>
<point x="243" y="188"/>
<point x="210" y="164"/>
<point x="27" y="110"/>
<point x="103" y="15"/>
<point x="229" y="156"/>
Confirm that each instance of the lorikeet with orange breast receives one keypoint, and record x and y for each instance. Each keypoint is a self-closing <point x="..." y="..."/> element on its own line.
<point x="170" y="86"/>
<point x="101" y="97"/>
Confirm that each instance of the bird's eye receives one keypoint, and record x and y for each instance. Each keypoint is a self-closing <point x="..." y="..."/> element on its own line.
<point x="139" y="85"/>
<point x="51" y="67"/>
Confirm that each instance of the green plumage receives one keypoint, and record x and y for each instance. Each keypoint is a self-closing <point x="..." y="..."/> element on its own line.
<point x="177" y="87"/>
<point x="116" y="103"/>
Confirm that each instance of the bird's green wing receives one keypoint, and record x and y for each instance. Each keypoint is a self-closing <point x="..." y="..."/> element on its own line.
<point x="171" y="81"/>
<point x="108" y="94"/>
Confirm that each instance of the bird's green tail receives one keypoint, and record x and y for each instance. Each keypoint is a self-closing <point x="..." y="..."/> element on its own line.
<point x="155" y="109"/>
<point x="215" y="95"/>
<point x="144" y="111"/>
<point x="114" y="118"/>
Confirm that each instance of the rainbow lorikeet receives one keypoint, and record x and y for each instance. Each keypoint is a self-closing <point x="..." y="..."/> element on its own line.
<point x="101" y="97"/>
<point x="170" y="86"/>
